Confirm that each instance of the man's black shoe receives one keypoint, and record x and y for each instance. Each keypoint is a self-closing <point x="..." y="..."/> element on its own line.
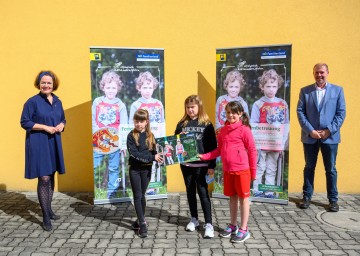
<point x="305" y="203"/>
<point x="333" y="207"/>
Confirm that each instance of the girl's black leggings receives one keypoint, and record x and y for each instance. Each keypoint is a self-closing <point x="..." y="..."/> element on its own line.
<point x="140" y="179"/>
<point x="194" y="178"/>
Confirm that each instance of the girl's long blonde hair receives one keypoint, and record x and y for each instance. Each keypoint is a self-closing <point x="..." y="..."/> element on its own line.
<point x="203" y="118"/>
<point x="143" y="115"/>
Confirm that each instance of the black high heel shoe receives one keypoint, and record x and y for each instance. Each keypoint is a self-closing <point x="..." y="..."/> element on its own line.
<point x="54" y="217"/>
<point x="47" y="228"/>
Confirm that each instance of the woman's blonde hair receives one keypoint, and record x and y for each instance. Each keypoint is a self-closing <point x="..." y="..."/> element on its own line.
<point x="203" y="118"/>
<point x="143" y="115"/>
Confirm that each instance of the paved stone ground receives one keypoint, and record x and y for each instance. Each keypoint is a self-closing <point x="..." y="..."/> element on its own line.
<point x="85" y="229"/>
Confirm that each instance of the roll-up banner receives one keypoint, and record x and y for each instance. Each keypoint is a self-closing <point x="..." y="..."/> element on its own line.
<point x="259" y="78"/>
<point x="122" y="81"/>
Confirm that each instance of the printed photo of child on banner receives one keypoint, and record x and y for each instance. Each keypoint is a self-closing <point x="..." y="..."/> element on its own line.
<point x="122" y="81"/>
<point x="259" y="79"/>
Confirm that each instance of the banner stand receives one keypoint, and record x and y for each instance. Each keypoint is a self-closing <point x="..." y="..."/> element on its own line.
<point x="245" y="75"/>
<point x="118" y="79"/>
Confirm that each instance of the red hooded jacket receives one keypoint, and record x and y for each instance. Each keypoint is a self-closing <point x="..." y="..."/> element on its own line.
<point x="236" y="146"/>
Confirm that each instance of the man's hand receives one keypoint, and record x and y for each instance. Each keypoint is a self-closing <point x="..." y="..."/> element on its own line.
<point x="324" y="133"/>
<point x="315" y="135"/>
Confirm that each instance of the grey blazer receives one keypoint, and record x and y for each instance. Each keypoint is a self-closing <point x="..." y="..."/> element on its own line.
<point x="329" y="115"/>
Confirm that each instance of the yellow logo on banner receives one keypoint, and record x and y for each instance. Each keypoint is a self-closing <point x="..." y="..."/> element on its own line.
<point x="221" y="57"/>
<point x="95" y="56"/>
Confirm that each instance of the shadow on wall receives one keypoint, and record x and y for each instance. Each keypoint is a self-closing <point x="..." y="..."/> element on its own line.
<point x="208" y="95"/>
<point x="2" y="187"/>
<point x="77" y="149"/>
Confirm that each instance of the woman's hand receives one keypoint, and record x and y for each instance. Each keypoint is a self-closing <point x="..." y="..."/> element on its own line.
<point x="50" y="129"/>
<point x="60" y="127"/>
<point x="43" y="127"/>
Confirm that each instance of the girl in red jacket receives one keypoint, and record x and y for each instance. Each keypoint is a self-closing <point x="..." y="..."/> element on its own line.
<point x="237" y="149"/>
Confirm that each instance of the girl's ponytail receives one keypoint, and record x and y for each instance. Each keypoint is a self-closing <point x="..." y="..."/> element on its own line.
<point x="245" y="119"/>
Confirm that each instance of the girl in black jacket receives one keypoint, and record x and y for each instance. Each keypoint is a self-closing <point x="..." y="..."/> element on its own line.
<point x="141" y="147"/>
<point x="196" y="121"/>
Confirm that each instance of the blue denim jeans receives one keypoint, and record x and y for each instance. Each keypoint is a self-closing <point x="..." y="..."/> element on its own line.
<point x="329" y="153"/>
<point x="113" y="166"/>
<point x="180" y="158"/>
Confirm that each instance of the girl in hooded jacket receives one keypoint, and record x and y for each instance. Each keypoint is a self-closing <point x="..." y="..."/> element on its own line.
<point x="237" y="149"/>
<point x="196" y="121"/>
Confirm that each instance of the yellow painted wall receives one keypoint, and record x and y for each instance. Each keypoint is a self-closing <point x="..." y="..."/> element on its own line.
<point x="56" y="35"/>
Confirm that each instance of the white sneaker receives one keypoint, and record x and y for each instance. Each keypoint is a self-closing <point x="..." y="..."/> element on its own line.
<point x="209" y="230"/>
<point x="193" y="224"/>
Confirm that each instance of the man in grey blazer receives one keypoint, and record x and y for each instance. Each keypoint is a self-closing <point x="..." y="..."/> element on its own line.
<point x="321" y="112"/>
